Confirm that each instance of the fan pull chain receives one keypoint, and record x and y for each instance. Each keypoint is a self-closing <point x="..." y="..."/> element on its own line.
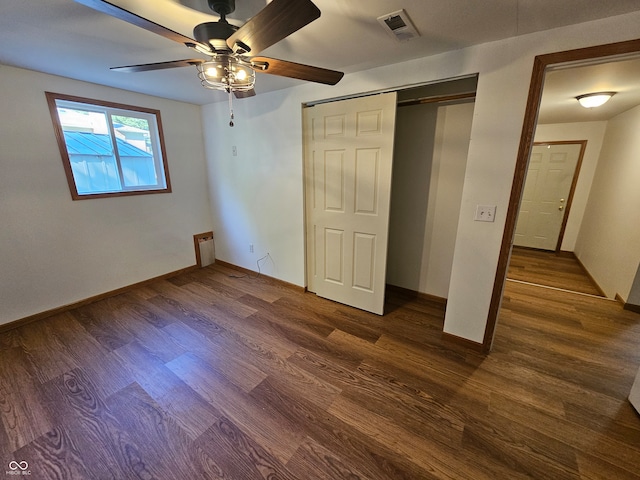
<point x="230" y="108"/>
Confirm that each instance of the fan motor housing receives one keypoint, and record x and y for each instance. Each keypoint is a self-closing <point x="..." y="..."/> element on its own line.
<point x="222" y="7"/>
<point x="210" y="31"/>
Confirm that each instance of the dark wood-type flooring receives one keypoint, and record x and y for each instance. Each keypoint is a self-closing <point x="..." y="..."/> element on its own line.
<point x="550" y="269"/>
<point x="206" y="376"/>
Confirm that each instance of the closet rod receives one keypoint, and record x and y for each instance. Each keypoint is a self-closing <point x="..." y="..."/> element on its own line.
<point x="437" y="99"/>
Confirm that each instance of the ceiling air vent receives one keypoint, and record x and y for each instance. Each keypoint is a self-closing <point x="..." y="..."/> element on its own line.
<point x="398" y="25"/>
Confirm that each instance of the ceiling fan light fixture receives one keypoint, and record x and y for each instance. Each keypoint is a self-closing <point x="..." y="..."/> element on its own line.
<point x="228" y="73"/>
<point x="596" y="99"/>
<point x="201" y="48"/>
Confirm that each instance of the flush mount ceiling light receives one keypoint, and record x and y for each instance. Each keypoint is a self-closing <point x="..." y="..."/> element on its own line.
<point x="596" y="99"/>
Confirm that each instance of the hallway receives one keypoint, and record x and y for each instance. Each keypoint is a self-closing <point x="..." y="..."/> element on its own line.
<point x="550" y="269"/>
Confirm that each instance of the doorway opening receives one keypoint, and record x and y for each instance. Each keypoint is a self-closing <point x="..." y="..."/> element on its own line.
<point x="540" y="256"/>
<point x="612" y="54"/>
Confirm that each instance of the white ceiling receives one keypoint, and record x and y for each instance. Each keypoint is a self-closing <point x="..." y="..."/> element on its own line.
<point x="68" y="39"/>
<point x="562" y="85"/>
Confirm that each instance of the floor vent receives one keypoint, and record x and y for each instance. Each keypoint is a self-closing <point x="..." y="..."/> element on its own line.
<point x="398" y="25"/>
<point x="205" y="249"/>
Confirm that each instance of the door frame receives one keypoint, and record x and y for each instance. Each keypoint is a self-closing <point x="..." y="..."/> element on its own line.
<point x="540" y="64"/>
<point x="572" y="189"/>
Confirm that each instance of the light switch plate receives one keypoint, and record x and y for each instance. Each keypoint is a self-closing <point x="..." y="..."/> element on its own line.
<point x="485" y="213"/>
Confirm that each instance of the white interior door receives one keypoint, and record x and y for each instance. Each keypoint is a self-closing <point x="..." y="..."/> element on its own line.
<point x="546" y="192"/>
<point x="348" y="159"/>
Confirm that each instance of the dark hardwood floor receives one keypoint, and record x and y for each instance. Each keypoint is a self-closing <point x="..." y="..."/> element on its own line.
<point x="550" y="269"/>
<point x="207" y="376"/>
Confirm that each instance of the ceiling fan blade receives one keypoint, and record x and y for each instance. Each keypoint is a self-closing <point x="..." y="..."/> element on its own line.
<point x="284" y="68"/>
<point x="245" y="94"/>
<point x="276" y="21"/>
<point x="130" y="17"/>
<point x="159" y="65"/>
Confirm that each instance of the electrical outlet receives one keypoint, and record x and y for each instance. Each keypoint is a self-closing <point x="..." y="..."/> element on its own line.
<point x="234" y="151"/>
<point x="485" y="213"/>
<point x="251" y="248"/>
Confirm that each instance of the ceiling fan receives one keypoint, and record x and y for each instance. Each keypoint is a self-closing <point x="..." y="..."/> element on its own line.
<point x="232" y="62"/>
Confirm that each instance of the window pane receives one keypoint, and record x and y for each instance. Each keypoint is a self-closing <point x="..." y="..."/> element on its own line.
<point x="135" y="150"/>
<point x="95" y="175"/>
<point x="90" y="149"/>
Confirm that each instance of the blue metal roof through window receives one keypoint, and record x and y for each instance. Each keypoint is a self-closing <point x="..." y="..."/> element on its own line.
<point x="85" y="143"/>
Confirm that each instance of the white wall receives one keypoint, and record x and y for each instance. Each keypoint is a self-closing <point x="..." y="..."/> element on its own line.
<point x="593" y="133"/>
<point x="609" y="241"/>
<point x="634" y="294"/>
<point x="257" y="197"/>
<point x="54" y="251"/>
<point x="634" y="395"/>
<point x="430" y="157"/>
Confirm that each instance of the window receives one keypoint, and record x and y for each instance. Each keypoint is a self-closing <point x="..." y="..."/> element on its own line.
<point x="109" y="149"/>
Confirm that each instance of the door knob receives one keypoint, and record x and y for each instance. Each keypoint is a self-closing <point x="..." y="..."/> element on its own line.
<point x="561" y="207"/>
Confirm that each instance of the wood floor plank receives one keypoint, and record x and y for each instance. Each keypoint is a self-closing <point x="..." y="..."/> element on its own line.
<point x="374" y="459"/>
<point x="414" y="374"/>
<point x="483" y="378"/>
<point x="217" y="290"/>
<point x="267" y="430"/>
<point x="561" y="369"/>
<point x="579" y="437"/>
<point x="181" y="403"/>
<point x="521" y="448"/>
<point x="416" y="411"/>
<point x="197" y="320"/>
<point x="302" y="334"/>
<point x="311" y="456"/>
<point x="297" y="381"/>
<point x="437" y="460"/>
<point x="43" y="346"/>
<point x="108" y="372"/>
<point x="153" y="339"/>
<point x="268" y="354"/>
<point x="221" y="353"/>
<point x="623" y="428"/>
<point x="249" y="330"/>
<point x="624" y="340"/>
<point x="54" y="455"/>
<point x="166" y="445"/>
<point x="76" y="347"/>
<point x="594" y="468"/>
<point x="102" y="324"/>
<point x="198" y="297"/>
<point x="23" y="410"/>
<point x="204" y="297"/>
<point x="288" y="317"/>
<point x="254" y="285"/>
<point x="239" y="456"/>
<point x="325" y="313"/>
<point x="108" y="450"/>
<point x="138" y="302"/>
